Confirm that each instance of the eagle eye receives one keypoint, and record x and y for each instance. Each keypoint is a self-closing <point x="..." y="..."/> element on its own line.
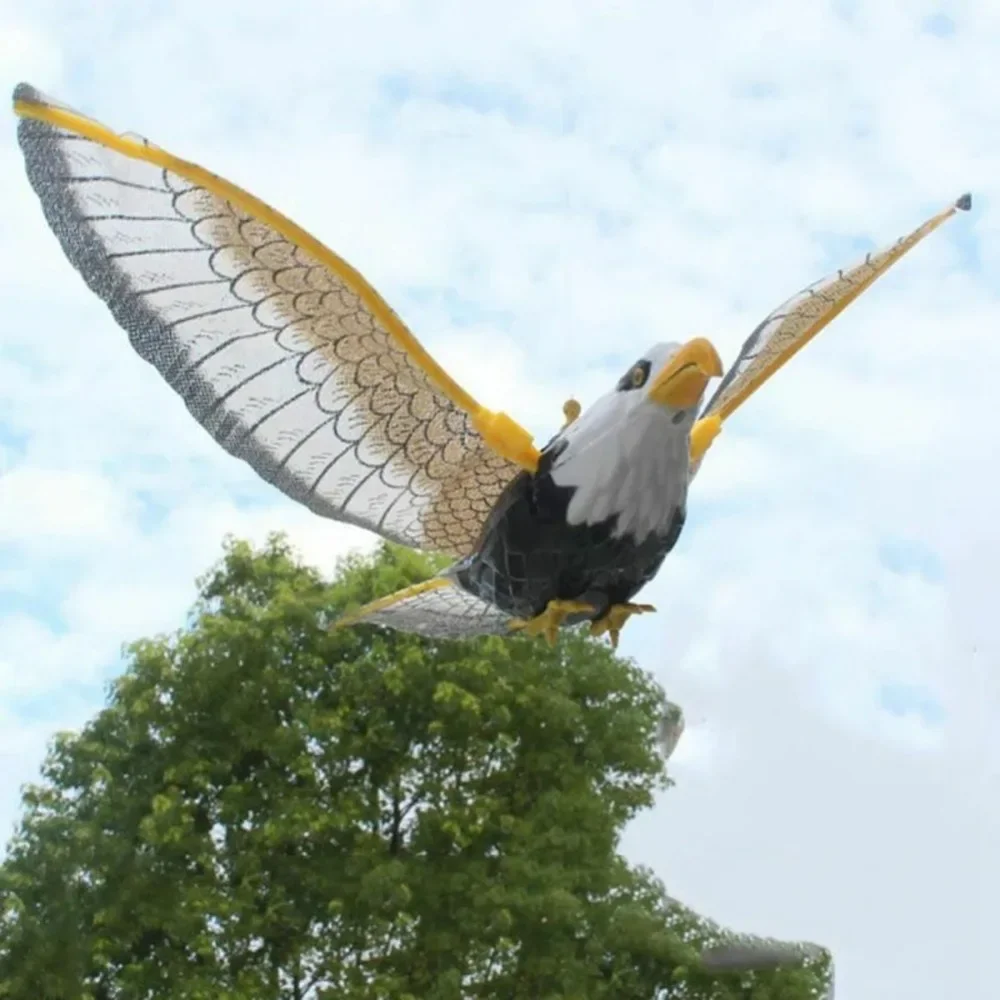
<point x="635" y="377"/>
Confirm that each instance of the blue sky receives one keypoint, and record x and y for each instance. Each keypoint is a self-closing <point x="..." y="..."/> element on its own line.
<point x="542" y="191"/>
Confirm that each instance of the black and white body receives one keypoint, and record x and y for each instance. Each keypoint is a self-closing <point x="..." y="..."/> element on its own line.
<point x="294" y="363"/>
<point x="579" y="537"/>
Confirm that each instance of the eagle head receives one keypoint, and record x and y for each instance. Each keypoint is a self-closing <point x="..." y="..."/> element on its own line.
<point x="627" y="455"/>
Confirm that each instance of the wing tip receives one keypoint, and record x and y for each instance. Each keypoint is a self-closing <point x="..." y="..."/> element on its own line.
<point x="23" y="91"/>
<point x="27" y="94"/>
<point x="964" y="203"/>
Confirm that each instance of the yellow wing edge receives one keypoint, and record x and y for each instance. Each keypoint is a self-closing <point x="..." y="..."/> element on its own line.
<point x="707" y="429"/>
<point x="500" y="432"/>
<point x="896" y="254"/>
<point x="366" y="610"/>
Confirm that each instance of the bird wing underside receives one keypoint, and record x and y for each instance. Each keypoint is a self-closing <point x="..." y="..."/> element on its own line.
<point x="785" y="331"/>
<point x="280" y="349"/>
<point x="436" y="609"/>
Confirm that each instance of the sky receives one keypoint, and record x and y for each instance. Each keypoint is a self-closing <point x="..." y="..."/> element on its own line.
<point x="542" y="191"/>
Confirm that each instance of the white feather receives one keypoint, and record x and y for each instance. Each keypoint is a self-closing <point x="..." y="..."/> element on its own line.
<point x="625" y="455"/>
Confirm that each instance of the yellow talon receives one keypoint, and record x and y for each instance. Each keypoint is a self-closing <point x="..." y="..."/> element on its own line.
<point x="571" y="410"/>
<point x="548" y="622"/>
<point x="615" y="619"/>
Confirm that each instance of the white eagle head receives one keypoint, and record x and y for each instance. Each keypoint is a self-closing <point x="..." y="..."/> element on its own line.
<point x="628" y="453"/>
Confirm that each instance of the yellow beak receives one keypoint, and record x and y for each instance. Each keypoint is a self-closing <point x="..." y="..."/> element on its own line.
<point x="683" y="378"/>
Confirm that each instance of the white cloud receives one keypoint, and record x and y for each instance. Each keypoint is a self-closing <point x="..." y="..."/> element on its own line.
<point x="56" y="507"/>
<point x="543" y="190"/>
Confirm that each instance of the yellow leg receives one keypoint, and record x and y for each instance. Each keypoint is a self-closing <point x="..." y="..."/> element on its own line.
<point x="548" y="622"/>
<point x="615" y="619"/>
<point x="571" y="410"/>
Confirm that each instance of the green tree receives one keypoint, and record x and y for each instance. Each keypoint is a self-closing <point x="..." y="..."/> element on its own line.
<point x="270" y="809"/>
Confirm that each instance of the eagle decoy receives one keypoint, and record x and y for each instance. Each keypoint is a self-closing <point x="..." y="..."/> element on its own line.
<point x="294" y="363"/>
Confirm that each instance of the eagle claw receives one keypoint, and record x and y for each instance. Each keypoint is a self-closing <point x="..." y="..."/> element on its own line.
<point x="548" y="622"/>
<point x="615" y="619"/>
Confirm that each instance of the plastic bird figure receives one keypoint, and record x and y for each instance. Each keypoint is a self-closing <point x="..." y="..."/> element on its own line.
<point x="293" y="362"/>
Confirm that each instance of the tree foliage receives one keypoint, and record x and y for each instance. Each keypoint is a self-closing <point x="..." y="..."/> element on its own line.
<point x="270" y="809"/>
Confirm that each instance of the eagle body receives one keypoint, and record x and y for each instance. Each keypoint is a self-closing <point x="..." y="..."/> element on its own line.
<point x="294" y="363"/>
<point x="529" y="554"/>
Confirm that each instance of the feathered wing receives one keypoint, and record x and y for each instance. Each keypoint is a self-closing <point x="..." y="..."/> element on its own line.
<point x="280" y="349"/>
<point x="785" y="331"/>
<point x="437" y="608"/>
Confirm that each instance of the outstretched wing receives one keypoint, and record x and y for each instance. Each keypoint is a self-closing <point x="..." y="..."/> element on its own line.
<point x="437" y="608"/>
<point x="279" y="348"/>
<point x="791" y="326"/>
